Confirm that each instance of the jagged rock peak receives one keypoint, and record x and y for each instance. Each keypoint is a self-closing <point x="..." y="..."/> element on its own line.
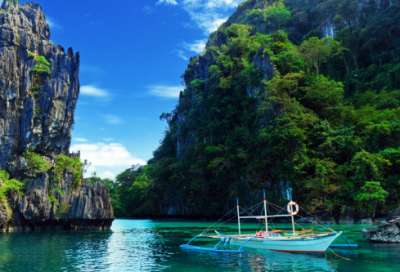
<point x="36" y="110"/>
<point x="7" y="4"/>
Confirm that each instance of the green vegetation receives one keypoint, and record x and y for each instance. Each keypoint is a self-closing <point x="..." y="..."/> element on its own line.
<point x="42" y="65"/>
<point x="35" y="162"/>
<point x="64" y="162"/>
<point x="327" y="123"/>
<point x="38" y="110"/>
<point x="370" y="195"/>
<point x="31" y="54"/>
<point x="7" y="184"/>
<point x="35" y="91"/>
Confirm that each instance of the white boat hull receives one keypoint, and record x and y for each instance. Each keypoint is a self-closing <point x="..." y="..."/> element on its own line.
<point x="306" y="245"/>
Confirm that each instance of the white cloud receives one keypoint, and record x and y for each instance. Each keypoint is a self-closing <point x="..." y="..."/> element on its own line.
<point x="112" y="119"/>
<point x="108" y="174"/>
<point x="110" y="155"/>
<point x="208" y="15"/>
<point x="108" y="139"/>
<point x="52" y="23"/>
<point x="197" y="47"/>
<point x="167" y="2"/>
<point x="180" y="54"/>
<point x="93" y="91"/>
<point x="148" y="9"/>
<point x="80" y="139"/>
<point x="165" y="91"/>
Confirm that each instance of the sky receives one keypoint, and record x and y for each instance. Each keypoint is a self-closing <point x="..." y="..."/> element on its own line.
<point x="133" y="54"/>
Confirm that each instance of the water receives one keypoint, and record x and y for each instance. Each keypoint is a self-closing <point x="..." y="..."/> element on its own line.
<point x="147" y="245"/>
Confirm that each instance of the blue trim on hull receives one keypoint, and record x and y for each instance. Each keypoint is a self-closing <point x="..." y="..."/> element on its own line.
<point x="211" y="249"/>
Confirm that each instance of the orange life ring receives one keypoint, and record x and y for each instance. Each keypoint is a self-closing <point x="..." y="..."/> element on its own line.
<point x="290" y="208"/>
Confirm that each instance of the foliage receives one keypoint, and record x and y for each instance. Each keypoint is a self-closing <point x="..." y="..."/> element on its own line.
<point x="31" y="54"/>
<point x="316" y="51"/>
<point x="42" y="65"/>
<point x="7" y="184"/>
<point x="35" y="161"/>
<point x="370" y="195"/>
<point x="63" y="162"/>
<point x="325" y="120"/>
<point x="38" y="110"/>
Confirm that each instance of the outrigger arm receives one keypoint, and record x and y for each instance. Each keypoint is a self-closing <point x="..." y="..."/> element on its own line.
<point x="215" y="248"/>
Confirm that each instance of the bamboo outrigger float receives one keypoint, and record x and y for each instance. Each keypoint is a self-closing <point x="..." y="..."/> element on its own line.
<point x="305" y="241"/>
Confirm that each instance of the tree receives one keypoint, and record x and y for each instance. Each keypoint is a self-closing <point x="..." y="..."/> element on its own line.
<point x="371" y="194"/>
<point x="316" y="51"/>
<point x="42" y="65"/>
<point x="277" y="13"/>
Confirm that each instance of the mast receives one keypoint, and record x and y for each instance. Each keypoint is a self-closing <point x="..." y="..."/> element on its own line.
<point x="238" y="214"/>
<point x="291" y="209"/>
<point x="266" y="216"/>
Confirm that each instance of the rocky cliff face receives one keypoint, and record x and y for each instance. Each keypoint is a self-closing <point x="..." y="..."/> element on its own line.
<point x="37" y="114"/>
<point x="41" y="121"/>
<point x="85" y="207"/>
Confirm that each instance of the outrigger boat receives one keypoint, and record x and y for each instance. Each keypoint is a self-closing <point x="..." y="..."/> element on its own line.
<point x="304" y="241"/>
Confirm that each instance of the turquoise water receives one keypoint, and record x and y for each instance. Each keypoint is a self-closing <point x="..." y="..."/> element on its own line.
<point x="147" y="245"/>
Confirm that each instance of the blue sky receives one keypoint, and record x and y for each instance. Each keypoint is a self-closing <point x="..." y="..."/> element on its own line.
<point x="132" y="56"/>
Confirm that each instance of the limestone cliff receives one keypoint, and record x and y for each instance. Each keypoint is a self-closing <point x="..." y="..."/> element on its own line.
<point x="37" y="114"/>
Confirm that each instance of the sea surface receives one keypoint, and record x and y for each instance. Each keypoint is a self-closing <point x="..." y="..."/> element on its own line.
<point x="148" y="245"/>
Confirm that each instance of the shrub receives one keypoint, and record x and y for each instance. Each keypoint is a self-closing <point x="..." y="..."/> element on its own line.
<point x="63" y="162"/>
<point x="7" y="184"/>
<point x="35" y="161"/>
<point x="18" y="37"/>
<point x="42" y="65"/>
<point x="38" y="110"/>
<point x="31" y="54"/>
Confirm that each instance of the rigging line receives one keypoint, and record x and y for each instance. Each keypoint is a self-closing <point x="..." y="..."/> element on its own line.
<point x="320" y="222"/>
<point x="206" y="230"/>
<point x="259" y="204"/>
<point x="255" y="207"/>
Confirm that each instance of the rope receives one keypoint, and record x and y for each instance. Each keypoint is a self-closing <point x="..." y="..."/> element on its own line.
<point x="337" y="255"/>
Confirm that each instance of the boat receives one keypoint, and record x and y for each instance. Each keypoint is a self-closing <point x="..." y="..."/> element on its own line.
<point x="303" y="241"/>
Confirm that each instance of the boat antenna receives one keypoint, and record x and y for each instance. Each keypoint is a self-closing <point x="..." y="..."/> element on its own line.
<point x="238" y="213"/>
<point x="266" y="215"/>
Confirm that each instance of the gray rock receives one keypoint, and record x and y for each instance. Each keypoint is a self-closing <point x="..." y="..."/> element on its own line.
<point x="21" y="127"/>
<point x="24" y="30"/>
<point x="83" y="207"/>
<point x="386" y="232"/>
<point x="393" y="214"/>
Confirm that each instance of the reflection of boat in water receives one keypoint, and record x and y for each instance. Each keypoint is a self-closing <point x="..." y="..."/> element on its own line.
<point x="304" y="241"/>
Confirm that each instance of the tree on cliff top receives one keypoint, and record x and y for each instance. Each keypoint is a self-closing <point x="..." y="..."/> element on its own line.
<point x="42" y="65"/>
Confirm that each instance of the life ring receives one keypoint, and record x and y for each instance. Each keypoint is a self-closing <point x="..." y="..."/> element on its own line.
<point x="290" y="208"/>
